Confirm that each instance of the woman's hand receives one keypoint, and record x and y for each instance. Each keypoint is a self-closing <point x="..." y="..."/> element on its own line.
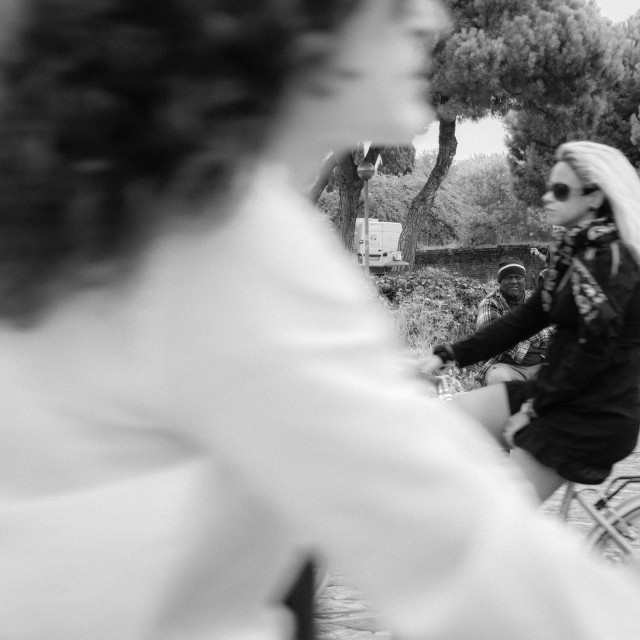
<point x="426" y="367"/>
<point x="516" y="422"/>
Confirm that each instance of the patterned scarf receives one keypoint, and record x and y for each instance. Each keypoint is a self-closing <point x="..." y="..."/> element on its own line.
<point x="592" y="303"/>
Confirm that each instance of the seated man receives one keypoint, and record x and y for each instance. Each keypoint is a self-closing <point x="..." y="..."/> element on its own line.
<point x="522" y="361"/>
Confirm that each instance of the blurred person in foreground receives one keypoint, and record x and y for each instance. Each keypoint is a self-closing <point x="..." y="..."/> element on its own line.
<point x="523" y="360"/>
<point x="580" y="414"/>
<point x="189" y="403"/>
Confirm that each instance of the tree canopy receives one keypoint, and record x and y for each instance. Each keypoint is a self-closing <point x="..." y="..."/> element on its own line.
<point x="533" y="136"/>
<point x="623" y="97"/>
<point x="607" y="114"/>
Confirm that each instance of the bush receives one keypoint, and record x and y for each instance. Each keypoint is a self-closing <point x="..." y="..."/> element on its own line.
<point x="433" y="305"/>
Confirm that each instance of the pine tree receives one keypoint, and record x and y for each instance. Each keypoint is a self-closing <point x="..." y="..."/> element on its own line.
<point x="616" y="126"/>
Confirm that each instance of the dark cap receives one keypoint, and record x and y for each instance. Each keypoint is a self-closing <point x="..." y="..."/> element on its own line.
<point x="509" y="266"/>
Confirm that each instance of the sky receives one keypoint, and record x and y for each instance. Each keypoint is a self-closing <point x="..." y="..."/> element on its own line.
<point x="487" y="135"/>
<point x="618" y="10"/>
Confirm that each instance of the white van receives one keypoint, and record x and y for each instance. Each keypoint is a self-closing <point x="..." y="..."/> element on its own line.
<point x="383" y="245"/>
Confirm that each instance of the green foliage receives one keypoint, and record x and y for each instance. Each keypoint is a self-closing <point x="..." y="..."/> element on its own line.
<point x="329" y="204"/>
<point x="533" y="137"/>
<point x="511" y="54"/>
<point x="431" y="306"/>
<point x="476" y="204"/>
<point x="494" y="215"/>
<point x="616" y="126"/>
<point x="606" y="114"/>
<point x="390" y="197"/>
<point x="635" y="129"/>
<point x="396" y="161"/>
<point x="531" y="142"/>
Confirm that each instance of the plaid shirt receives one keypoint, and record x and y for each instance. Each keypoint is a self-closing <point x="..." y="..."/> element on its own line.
<point x="494" y="306"/>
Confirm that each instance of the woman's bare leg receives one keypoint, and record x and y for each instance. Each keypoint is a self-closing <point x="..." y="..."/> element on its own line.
<point x="544" y="479"/>
<point x="489" y="405"/>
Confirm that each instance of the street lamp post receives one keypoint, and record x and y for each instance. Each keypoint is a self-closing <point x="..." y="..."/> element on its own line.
<point x="365" y="172"/>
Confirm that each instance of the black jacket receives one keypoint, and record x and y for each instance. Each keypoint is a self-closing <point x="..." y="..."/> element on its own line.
<point x="586" y="395"/>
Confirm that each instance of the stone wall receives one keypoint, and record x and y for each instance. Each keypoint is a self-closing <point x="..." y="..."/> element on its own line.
<point x="482" y="262"/>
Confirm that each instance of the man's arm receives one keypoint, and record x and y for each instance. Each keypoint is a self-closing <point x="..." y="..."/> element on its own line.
<point x="596" y="348"/>
<point x="503" y="333"/>
<point x="490" y="310"/>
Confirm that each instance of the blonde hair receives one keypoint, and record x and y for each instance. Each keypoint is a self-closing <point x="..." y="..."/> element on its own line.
<point x="608" y="169"/>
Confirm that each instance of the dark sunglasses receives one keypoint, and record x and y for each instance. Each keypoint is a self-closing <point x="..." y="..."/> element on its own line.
<point x="561" y="191"/>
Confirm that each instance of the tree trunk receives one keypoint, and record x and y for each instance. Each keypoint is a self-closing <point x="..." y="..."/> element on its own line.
<point x="323" y="179"/>
<point x="349" y="187"/>
<point x="422" y="203"/>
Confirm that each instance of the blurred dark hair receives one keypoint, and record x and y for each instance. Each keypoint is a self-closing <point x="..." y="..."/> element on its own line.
<point x="101" y="95"/>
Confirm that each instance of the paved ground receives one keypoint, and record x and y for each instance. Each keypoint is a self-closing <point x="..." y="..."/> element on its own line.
<point x="344" y="615"/>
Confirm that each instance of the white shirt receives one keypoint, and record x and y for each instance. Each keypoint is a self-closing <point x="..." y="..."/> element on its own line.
<point x="171" y="445"/>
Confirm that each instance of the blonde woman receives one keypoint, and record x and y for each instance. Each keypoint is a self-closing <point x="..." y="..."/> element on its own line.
<point x="581" y="414"/>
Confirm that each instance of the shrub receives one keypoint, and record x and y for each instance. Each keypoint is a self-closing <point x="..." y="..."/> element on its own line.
<point x="433" y="305"/>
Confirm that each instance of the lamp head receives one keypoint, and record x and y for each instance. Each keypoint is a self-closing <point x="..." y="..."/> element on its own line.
<point x="366" y="170"/>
